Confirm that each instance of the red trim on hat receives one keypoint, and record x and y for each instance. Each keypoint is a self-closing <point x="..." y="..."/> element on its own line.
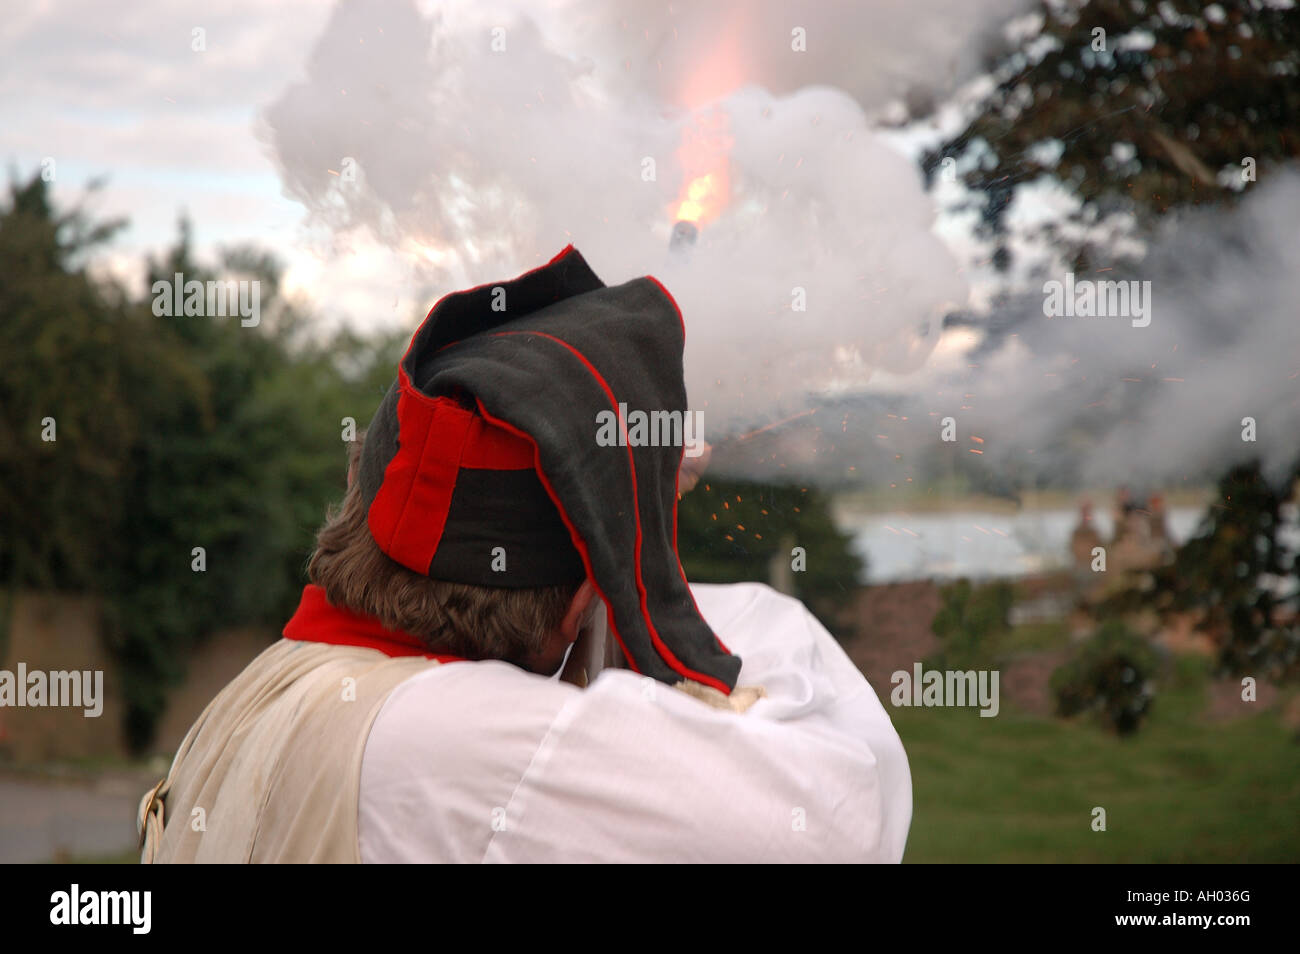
<point x="578" y="542"/>
<point x="563" y="253"/>
<point x="437" y="438"/>
<point x="676" y="307"/>
<point x="317" y="620"/>
<point x="677" y="479"/>
<point x="409" y="511"/>
<point x="664" y="652"/>
<point x="489" y="447"/>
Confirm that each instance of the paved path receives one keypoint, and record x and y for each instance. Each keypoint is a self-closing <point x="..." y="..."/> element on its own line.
<point x="44" y="819"/>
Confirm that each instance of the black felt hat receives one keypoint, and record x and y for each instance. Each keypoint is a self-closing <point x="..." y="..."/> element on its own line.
<point x="484" y="463"/>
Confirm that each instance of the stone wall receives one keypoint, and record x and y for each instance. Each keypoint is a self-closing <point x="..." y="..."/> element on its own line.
<point x="60" y="631"/>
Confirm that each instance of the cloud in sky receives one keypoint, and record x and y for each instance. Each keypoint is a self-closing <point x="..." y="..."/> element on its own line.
<point x="117" y="91"/>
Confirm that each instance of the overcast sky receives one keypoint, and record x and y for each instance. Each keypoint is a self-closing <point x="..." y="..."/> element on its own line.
<point x="116" y="90"/>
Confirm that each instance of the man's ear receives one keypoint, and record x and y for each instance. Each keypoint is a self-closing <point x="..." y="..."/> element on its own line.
<point x="578" y="607"/>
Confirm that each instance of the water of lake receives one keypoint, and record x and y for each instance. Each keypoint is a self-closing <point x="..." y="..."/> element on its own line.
<point x="902" y="546"/>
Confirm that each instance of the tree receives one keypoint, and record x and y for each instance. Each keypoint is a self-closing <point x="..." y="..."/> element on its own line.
<point x="734" y="530"/>
<point x="173" y="434"/>
<point x="1134" y="106"/>
<point x="244" y="473"/>
<point x="64" y="413"/>
<point x="969" y="618"/>
<point x="1242" y="579"/>
<point x="1110" y="676"/>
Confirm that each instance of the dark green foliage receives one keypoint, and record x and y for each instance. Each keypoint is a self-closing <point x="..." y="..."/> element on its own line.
<point x="969" y="619"/>
<point x="1224" y="573"/>
<point x="172" y="433"/>
<point x="59" y="358"/>
<point x="1111" y="676"/>
<point x="1204" y="97"/>
<point x="731" y="531"/>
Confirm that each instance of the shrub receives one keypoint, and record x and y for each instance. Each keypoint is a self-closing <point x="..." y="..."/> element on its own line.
<point x="1110" y="676"/>
<point x="969" y="620"/>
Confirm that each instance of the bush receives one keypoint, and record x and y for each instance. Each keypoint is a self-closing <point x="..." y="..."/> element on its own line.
<point x="1110" y="676"/>
<point x="969" y="620"/>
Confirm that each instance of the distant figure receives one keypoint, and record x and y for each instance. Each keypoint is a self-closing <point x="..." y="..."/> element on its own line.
<point x="1127" y="523"/>
<point x="1084" y="539"/>
<point x="1141" y="539"/>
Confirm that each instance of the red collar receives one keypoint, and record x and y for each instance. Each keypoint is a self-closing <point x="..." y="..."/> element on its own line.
<point x="318" y="621"/>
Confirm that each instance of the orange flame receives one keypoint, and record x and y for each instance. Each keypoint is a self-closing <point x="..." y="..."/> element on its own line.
<point x="705" y="159"/>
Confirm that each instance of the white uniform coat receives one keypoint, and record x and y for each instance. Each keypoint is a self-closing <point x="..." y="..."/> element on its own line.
<point x="482" y="761"/>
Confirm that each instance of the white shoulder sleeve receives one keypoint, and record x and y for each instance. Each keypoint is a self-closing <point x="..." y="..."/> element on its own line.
<point x="633" y="770"/>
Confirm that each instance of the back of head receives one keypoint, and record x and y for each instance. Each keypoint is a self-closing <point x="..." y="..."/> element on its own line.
<point x="459" y="619"/>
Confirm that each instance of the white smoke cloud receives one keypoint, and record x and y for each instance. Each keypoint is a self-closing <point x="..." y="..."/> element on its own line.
<point x="1101" y="401"/>
<point x="485" y="140"/>
<point x="876" y="52"/>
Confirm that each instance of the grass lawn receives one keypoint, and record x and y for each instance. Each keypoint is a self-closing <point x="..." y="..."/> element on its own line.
<point x="1021" y="788"/>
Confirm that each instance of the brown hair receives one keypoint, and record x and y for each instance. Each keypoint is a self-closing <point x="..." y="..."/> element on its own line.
<point x="475" y="622"/>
